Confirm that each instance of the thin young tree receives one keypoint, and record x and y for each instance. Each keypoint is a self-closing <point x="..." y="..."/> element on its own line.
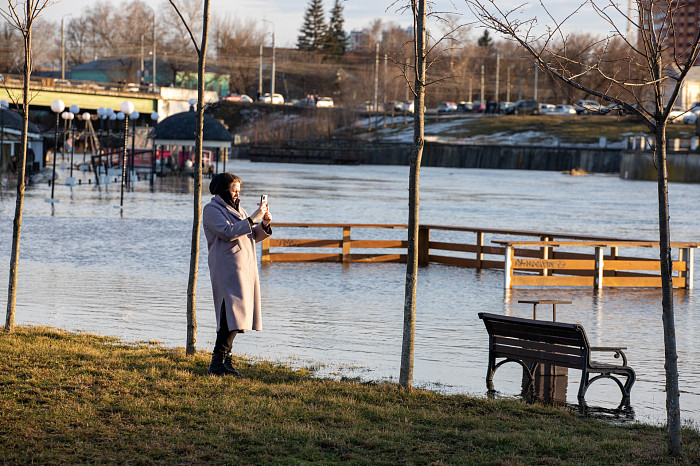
<point x="418" y="11"/>
<point x="421" y="51"/>
<point x="201" y="49"/>
<point x="23" y="21"/>
<point x="646" y="83"/>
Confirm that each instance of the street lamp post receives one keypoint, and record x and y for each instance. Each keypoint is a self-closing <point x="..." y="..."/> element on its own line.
<point x="67" y="116"/>
<point x="134" y="116"/>
<point x="86" y="117"/>
<point x="154" y="119"/>
<point x="57" y="107"/>
<point x="3" y="105"/>
<point x="74" y="110"/>
<point x="272" y="78"/>
<point x="126" y="108"/>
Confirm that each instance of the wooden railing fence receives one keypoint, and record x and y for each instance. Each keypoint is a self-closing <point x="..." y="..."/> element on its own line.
<point x="541" y="259"/>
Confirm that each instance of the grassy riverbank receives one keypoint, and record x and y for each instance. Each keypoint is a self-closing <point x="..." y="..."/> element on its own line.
<point x="78" y="398"/>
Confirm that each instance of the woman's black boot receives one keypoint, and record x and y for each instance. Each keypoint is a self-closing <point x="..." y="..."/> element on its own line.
<point x="229" y="366"/>
<point x="217" y="365"/>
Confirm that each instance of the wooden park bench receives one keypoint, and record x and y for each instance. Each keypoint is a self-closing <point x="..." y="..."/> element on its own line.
<point x="533" y="342"/>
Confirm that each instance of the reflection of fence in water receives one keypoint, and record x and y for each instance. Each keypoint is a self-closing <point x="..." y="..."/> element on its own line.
<point x="547" y="261"/>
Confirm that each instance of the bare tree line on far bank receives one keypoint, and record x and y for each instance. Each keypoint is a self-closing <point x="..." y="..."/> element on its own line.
<point x="470" y="66"/>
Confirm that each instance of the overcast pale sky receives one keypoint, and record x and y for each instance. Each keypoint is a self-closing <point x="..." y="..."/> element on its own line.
<point x="287" y="15"/>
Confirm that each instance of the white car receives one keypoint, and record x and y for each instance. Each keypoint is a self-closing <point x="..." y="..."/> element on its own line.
<point x="324" y="102"/>
<point x="277" y="99"/>
<point x="587" y="107"/>
<point x="690" y="118"/>
<point x="564" y="110"/>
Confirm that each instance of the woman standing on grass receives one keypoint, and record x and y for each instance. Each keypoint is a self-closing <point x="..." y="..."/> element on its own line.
<point x="231" y="236"/>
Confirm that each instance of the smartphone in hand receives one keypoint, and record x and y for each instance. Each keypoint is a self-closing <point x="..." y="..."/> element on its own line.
<point x="263" y="199"/>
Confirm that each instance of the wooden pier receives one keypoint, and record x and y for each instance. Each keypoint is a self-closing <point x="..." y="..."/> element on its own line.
<point x="528" y="258"/>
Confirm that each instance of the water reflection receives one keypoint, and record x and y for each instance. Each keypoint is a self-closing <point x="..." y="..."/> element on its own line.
<point x="86" y="265"/>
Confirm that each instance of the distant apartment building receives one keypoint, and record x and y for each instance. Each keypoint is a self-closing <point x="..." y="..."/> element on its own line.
<point x="358" y="40"/>
<point x="679" y="31"/>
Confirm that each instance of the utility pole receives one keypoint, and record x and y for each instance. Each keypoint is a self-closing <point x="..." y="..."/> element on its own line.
<point x="386" y="59"/>
<point x="272" y="82"/>
<point x="376" y="76"/>
<point x="63" y="51"/>
<point x="508" y="84"/>
<point x="520" y="86"/>
<point x="630" y="24"/>
<point x="535" y="84"/>
<point x="260" y="67"/>
<point x="141" y="64"/>
<point x="154" y="52"/>
<point x="498" y="71"/>
<point x="481" y="95"/>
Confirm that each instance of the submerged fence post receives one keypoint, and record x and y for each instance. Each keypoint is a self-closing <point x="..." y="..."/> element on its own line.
<point x="688" y="258"/>
<point x="508" y="266"/>
<point x="479" y="246"/>
<point x="544" y="253"/>
<point x="423" y="246"/>
<point x="265" y="246"/>
<point x="599" y="265"/>
<point x="346" y="244"/>
<point x="613" y="257"/>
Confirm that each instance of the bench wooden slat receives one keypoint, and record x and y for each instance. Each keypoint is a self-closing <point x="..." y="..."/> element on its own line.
<point x="531" y="355"/>
<point x="551" y="334"/>
<point x="537" y="345"/>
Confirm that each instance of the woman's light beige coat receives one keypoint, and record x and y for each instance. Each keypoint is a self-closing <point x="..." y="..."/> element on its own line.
<point x="233" y="266"/>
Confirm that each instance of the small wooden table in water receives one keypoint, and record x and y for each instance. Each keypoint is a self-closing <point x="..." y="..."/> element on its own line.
<point x="550" y="382"/>
<point x="535" y="302"/>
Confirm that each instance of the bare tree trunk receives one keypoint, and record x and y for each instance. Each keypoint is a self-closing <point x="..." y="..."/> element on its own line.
<point x="21" y="173"/>
<point x="673" y="408"/>
<point x="409" y="309"/>
<point x="197" y="214"/>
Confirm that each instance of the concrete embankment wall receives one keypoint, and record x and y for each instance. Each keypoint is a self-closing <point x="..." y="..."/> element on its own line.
<point x="592" y="160"/>
<point x="682" y="167"/>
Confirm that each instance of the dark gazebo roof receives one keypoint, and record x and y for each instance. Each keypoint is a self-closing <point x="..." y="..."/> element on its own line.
<point x="12" y="121"/>
<point x="179" y="130"/>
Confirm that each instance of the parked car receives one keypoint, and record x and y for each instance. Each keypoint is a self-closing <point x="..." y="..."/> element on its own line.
<point x="677" y="116"/>
<point x="277" y="99"/>
<point x="584" y="107"/>
<point x="238" y="98"/>
<point x="478" y="107"/>
<point x="324" y="102"/>
<point x="504" y="106"/>
<point x="525" y="107"/>
<point x="564" y="110"/>
<point x="547" y="108"/>
<point x="690" y="118"/>
<point x="447" y="107"/>
<point x="465" y="106"/>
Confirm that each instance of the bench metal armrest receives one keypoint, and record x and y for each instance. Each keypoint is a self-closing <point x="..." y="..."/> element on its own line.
<point x="616" y="349"/>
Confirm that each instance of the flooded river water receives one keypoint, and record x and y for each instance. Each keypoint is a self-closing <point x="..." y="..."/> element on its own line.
<point x="84" y="266"/>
